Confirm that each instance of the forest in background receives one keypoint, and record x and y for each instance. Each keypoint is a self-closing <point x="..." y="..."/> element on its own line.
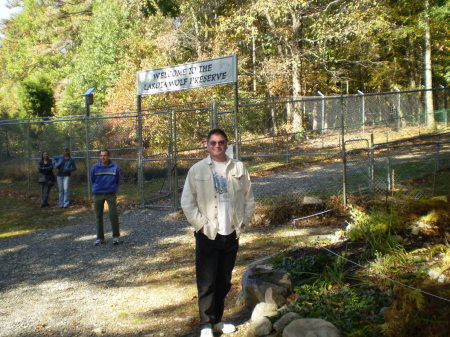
<point x="52" y="51"/>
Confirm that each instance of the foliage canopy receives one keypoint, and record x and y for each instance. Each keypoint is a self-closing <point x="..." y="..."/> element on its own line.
<point x="285" y="47"/>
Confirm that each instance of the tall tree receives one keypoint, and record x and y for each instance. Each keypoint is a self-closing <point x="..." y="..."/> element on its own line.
<point x="36" y="97"/>
<point x="97" y="61"/>
<point x="427" y="65"/>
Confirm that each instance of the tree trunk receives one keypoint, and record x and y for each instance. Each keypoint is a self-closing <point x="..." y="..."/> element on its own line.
<point x="296" y="77"/>
<point x="198" y="44"/>
<point x="411" y="65"/>
<point x="428" y="74"/>
<point x="273" y="116"/>
<point x="254" y="58"/>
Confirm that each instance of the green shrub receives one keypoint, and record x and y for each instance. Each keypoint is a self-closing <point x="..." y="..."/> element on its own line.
<point x="376" y="229"/>
<point x="36" y="97"/>
<point x="323" y="271"/>
<point x="354" y="311"/>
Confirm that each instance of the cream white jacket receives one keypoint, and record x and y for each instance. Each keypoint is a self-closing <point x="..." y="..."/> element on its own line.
<point x="200" y="200"/>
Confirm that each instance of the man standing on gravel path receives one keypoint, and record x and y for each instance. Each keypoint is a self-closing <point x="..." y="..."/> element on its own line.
<point x="218" y="201"/>
<point x="105" y="179"/>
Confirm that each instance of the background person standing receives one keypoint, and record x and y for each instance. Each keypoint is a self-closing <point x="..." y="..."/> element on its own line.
<point x="46" y="177"/>
<point x="105" y="179"/>
<point x="218" y="201"/>
<point x="65" y="165"/>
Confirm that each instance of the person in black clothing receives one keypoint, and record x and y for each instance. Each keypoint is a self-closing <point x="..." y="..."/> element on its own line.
<point x="46" y="177"/>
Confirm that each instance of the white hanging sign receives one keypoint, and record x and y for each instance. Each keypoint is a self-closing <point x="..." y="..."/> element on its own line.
<point x="221" y="70"/>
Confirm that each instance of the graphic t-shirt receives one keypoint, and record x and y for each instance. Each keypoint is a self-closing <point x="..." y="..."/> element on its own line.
<point x="221" y="186"/>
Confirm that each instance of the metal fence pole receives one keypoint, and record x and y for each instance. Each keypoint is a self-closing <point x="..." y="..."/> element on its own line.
<point x="170" y="150"/>
<point x="322" y="111"/>
<point x="389" y="176"/>
<point x="236" y="122"/>
<point x="237" y="147"/>
<point x="363" y="109"/>
<point x="399" y="109"/>
<point x="213" y="115"/>
<point x="174" y="164"/>
<point x="140" y="153"/>
<point x="70" y="134"/>
<point x="344" y="156"/>
<point x="444" y="92"/>
<point x="88" y="112"/>
<point x="372" y="164"/>
<point x="28" y="126"/>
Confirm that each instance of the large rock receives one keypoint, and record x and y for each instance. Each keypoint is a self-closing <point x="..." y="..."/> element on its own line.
<point x="258" y="278"/>
<point x="312" y="201"/>
<point x="264" y="310"/>
<point x="260" y="327"/>
<point x="310" y="327"/>
<point x="438" y="276"/>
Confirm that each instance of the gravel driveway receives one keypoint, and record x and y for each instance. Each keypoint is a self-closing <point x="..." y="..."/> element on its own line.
<point x="56" y="283"/>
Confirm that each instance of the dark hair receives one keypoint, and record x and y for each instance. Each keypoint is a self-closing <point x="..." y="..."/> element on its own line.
<point x="217" y="132"/>
<point x="66" y="150"/>
<point x="104" y="150"/>
<point x="42" y="155"/>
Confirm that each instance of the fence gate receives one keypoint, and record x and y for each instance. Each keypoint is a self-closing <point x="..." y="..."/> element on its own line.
<point x="358" y="166"/>
<point x="167" y="159"/>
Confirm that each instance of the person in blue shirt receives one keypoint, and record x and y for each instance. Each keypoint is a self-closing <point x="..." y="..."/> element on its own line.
<point x="65" y="165"/>
<point x="105" y="180"/>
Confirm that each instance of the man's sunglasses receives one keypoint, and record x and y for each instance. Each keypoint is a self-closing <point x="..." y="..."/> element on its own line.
<point x="214" y="143"/>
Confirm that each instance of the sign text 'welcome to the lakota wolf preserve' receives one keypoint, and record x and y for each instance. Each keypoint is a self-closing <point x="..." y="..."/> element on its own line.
<point x="187" y="76"/>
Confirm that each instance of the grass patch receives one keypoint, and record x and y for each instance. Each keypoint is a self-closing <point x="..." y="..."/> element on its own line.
<point x="257" y="169"/>
<point x="429" y="182"/>
<point x="128" y="192"/>
<point x="24" y="216"/>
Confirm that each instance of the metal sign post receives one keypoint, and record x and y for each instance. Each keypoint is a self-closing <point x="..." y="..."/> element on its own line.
<point x="140" y="150"/>
<point x="236" y="120"/>
<point x="88" y="100"/>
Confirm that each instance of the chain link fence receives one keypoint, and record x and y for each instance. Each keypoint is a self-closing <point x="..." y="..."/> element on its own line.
<point x="381" y="140"/>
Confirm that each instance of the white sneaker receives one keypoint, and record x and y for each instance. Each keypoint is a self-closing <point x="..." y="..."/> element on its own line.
<point x="99" y="242"/>
<point x="206" y="332"/>
<point x="224" y="327"/>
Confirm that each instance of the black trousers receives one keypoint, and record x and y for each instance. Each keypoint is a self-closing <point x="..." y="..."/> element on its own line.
<point x="214" y="263"/>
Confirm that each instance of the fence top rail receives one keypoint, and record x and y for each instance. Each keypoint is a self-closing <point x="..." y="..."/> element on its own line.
<point x="43" y="121"/>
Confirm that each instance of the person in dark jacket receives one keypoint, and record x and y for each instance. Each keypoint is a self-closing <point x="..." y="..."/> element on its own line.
<point x="65" y="165"/>
<point x="46" y="177"/>
<point x="105" y="180"/>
